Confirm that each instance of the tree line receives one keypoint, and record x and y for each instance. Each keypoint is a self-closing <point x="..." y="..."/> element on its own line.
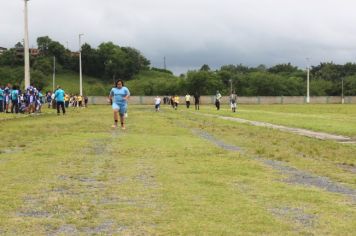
<point x="109" y="62"/>
<point x="280" y="80"/>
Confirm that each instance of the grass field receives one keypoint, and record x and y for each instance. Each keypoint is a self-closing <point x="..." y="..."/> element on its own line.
<point x="176" y="173"/>
<point x="330" y="118"/>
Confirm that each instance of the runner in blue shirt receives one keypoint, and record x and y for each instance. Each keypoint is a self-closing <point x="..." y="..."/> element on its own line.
<point x="119" y="96"/>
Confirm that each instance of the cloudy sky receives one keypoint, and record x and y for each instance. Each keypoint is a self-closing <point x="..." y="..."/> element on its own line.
<point x="190" y="33"/>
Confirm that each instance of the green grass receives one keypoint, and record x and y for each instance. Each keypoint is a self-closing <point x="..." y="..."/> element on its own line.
<point x="73" y="174"/>
<point x="69" y="81"/>
<point x="330" y="118"/>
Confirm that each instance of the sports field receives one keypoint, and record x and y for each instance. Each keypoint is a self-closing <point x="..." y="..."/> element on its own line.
<point x="178" y="172"/>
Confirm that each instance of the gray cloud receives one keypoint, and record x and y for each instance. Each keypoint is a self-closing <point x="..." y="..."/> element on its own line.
<point x="195" y="32"/>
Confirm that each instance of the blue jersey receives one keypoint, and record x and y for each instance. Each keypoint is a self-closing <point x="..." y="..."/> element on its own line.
<point x="14" y="94"/>
<point x="59" y="95"/>
<point x="1" y="94"/>
<point x="119" y="94"/>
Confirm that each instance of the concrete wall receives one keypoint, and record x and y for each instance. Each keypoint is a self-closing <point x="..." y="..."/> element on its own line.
<point x="149" y="100"/>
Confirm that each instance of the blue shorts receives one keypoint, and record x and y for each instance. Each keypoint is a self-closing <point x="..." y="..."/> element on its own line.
<point x="121" y="108"/>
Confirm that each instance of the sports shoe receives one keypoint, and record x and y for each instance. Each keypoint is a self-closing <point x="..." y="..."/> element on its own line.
<point x="114" y="126"/>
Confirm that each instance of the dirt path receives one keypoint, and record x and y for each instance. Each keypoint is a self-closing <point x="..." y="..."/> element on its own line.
<point x="299" y="131"/>
<point x="295" y="176"/>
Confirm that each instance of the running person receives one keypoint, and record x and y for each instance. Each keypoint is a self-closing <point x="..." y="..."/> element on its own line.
<point x="217" y="100"/>
<point x="119" y="96"/>
<point x="157" y="103"/>
<point x="233" y="101"/>
<point x="196" y="100"/>
<point x="187" y="100"/>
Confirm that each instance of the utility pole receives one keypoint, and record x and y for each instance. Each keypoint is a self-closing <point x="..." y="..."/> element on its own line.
<point x="308" y="71"/>
<point x="342" y="91"/>
<point x="54" y="73"/>
<point x="164" y="63"/>
<point x="230" y="80"/>
<point x="80" y="66"/>
<point x="26" y="49"/>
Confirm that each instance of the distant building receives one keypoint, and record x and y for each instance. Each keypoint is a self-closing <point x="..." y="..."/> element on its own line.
<point x="74" y="54"/>
<point x="33" y="52"/>
<point x="2" y="50"/>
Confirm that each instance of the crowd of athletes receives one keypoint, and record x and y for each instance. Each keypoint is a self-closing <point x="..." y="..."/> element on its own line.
<point x="175" y="100"/>
<point x="31" y="100"/>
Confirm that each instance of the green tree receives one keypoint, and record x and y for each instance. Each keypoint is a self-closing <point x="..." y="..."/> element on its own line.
<point x="43" y="44"/>
<point x="44" y="65"/>
<point x="203" y="82"/>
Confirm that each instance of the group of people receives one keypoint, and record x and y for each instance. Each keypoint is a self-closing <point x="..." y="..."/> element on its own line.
<point x="69" y="100"/>
<point x="232" y="100"/>
<point x="14" y="100"/>
<point x="31" y="100"/>
<point x="175" y="100"/>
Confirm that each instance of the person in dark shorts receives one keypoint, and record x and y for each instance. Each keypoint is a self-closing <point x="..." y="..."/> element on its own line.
<point x="59" y="97"/>
<point x="196" y="100"/>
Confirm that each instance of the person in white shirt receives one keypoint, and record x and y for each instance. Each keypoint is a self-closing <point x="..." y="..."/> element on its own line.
<point x="187" y="100"/>
<point x="157" y="103"/>
<point x="233" y="101"/>
<point x="217" y="100"/>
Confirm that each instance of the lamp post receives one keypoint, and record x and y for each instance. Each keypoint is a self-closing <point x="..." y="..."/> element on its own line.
<point x="26" y="49"/>
<point x="308" y="70"/>
<point x="342" y="91"/>
<point x="80" y="66"/>
<point x="54" y="73"/>
<point x="230" y="80"/>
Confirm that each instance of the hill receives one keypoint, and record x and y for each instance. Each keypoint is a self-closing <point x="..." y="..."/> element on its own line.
<point x="147" y="82"/>
<point x="69" y="81"/>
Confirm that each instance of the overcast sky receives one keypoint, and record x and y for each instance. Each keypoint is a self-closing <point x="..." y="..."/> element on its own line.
<point x="190" y="33"/>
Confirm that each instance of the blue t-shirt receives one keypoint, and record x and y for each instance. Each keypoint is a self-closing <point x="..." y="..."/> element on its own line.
<point x="119" y="94"/>
<point x="14" y="94"/>
<point x="59" y="95"/>
<point x="1" y="94"/>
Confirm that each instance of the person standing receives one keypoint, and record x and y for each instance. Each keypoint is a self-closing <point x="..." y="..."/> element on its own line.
<point x="15" y="99"/>
<point x="49" y="99"/>
<point x="119" y="96"/>
<point x="59" y="97"/>
<point x="217" y="100"/>
<point x="196" y="100"/>
<point x="187" y="100"/>
<point x="233" y="101"/>
<point x="7" y="99"/>
<point x="80" y="101"/>
<point x="66" y="100"/>
<point x="157" y="103"/>
<point x="86" y="101"/>
<point x="176" y="102"/>
<point x="1" y="100"/>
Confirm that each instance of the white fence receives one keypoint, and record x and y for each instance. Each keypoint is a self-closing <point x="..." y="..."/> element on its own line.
<point x="148" y="100"/>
